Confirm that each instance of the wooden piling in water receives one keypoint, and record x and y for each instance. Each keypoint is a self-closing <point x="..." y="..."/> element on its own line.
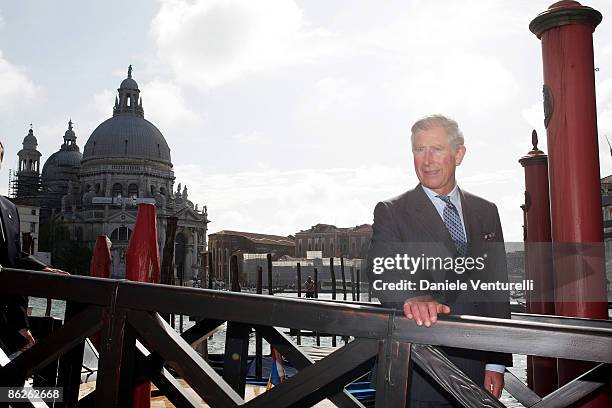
<point x="211" y="269"/>
<point x="299" y="295"/>
<point x="258" y="340"/>
<point x="358" y="285"/>
<point x="316" y="295"/>
<point x="270" y="288"/>
<point x="333" y="285"/>
<point x="353" y="283"/>
<point x="343" y="277"/>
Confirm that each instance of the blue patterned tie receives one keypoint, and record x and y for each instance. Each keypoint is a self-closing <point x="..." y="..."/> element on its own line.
<point x="452" y="220"/>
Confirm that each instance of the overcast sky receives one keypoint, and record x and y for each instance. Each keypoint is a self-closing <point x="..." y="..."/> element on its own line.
<point x="282" y="114"/>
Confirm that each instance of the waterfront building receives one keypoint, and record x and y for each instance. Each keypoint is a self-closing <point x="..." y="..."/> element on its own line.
<point x="349" y="242"/>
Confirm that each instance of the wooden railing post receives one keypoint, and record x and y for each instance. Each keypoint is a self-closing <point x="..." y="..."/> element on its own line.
<point x="236" y="344"/>
<point x="110" y="364"/>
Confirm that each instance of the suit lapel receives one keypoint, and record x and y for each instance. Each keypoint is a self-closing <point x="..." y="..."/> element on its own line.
<point x="471" y="221"/>
<point x="429" y="219"/>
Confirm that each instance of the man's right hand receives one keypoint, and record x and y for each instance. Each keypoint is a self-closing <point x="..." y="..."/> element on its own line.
<point x="424" y="310"/>
<point x="28" y="336"/>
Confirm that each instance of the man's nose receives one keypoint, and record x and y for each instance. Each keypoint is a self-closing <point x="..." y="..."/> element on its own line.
<point x="427" y="157"/>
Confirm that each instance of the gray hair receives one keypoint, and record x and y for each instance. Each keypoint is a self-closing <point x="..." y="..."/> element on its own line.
<point x="455" y="136"/>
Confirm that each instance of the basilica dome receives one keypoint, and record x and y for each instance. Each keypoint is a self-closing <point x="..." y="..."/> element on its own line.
<point x="127" y="135"/>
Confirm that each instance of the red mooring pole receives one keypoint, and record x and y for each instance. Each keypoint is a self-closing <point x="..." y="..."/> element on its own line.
<point x="541" y="371"/>
<point x="142" y="265"/>
<point x="100" y="267"/>
<point x="566" y="32"/>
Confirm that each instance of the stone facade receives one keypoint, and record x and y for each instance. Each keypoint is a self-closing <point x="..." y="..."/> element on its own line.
<point x="333" y="241"/>
<point x="224" y="244"/>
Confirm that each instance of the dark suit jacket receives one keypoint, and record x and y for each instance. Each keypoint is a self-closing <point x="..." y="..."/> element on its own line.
<point x="13" y="315"/>
<point x="412" y="218"/>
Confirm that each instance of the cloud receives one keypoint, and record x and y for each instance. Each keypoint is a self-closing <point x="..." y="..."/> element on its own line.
<point x="14" y="85"/>
<point x="284" y="201"/>
<point x="211" y="42"/>
<point x="164" y="103"/>
<point x="534" y="115"/>
<point x="334" y="93"/>
<point x="472" y="82"/>
<point x="253" y="137"/>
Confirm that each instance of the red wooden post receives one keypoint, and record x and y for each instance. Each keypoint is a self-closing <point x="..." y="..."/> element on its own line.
<point x="566" y="32"/>
<point x="541" y="371"/>
<point x="100" y="267"/>
<point x="142" y="265"/>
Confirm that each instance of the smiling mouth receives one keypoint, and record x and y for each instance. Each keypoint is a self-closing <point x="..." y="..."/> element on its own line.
<point x="430" y="173"/>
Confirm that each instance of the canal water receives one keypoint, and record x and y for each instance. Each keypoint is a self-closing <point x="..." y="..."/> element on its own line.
<point x="216" y="345"/>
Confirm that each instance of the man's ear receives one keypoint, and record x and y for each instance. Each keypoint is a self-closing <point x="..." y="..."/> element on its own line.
<point x="459" y="155"/>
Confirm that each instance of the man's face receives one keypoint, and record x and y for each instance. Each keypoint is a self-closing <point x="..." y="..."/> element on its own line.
<point x="435" y="161"/>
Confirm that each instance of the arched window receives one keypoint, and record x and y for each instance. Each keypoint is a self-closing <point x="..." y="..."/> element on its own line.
<point x="121" y="234"/>
<point x="133" y="191"/>
<point x="117" y="190"/>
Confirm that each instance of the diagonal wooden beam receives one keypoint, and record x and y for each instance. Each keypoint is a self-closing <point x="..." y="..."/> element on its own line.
<point x="161" y="338"/>
<point x="519" y="390"/>
<point x="316" y="382"/>
<point x="578" y="388"/>
<point x="301" y="360"/>
<point x="451" y="378"/>
<point x="150" y="367"/>
<point x="75" y="330"/>
<point x="201" y="331"/>
<point x="173" y="390"/>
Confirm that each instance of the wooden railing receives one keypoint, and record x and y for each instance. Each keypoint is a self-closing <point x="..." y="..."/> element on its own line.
<point x="127" y="311"/>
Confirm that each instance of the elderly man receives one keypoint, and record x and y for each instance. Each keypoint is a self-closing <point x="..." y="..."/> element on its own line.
<point x="14" y="329"/>
<point x="438" y="220"/>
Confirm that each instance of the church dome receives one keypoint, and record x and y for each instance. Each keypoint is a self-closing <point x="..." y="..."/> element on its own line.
<point x="66" y="160"/>
<point x="127" y="136"/>
<point x="30" y="141"/>
<point x="59" y="162"/>
<point x="128" y="83"/>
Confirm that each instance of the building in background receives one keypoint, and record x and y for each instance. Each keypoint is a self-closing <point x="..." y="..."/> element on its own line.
<point x="224" y="244"/>
<point x="125" y="161"/>
<point x="349" y="242"/>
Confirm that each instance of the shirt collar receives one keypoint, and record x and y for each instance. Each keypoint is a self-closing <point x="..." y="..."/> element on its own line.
<point x="454" y="194"/>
